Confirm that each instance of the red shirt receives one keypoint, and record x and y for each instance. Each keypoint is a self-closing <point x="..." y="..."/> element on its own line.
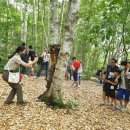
<point x="76" y="64"/>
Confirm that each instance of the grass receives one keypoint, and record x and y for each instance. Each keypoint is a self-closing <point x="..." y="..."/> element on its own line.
<point x="59" y="104"/>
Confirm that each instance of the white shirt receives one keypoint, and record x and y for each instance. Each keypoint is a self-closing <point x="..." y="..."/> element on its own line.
<point x="80" y="70"/>
<point x="46" y="57"/>
<point x="14" y="62"/>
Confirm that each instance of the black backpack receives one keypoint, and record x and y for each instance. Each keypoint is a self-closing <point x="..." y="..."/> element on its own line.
<point x="40" y="60"/>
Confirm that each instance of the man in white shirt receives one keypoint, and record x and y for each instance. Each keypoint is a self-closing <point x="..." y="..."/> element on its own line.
<point x="46" y="58"/>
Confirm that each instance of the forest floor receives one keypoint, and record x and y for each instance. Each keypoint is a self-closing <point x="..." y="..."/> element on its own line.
<point x="37" y="116"/>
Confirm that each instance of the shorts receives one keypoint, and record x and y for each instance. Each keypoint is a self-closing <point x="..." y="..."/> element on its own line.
<point x="112" y="93"/>
<point x="123" y="94"/>
<point x="106" y="89"/>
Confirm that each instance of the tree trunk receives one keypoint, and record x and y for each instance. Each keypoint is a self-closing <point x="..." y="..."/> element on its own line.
<point x="54" y="28"/>
<point x="44" y="35"/>
<point x="61" y="20"/>
<point x="55" y="84"/>
<point x="35" y="24"/>
<point x="7" y="28"/>
<point x="24" y="22"/>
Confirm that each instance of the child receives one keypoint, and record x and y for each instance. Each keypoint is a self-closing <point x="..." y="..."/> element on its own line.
<point x="113" y="87"/>
<point x="104" y="91"/>
<point x="80" y="70"/>
<point x="31" y="67"/>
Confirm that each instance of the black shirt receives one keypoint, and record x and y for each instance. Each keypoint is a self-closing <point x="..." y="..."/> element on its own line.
<point x="32" y="54"/>
<point x="110" y="72"/>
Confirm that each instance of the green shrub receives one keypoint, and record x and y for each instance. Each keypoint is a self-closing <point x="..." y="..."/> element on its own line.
<point x="58" y="103"/>
<point x="2" y="64"/>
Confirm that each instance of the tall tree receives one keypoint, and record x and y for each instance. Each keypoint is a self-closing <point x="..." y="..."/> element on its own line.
<point x="24" y="21"/>
<point x="54" y="88"/>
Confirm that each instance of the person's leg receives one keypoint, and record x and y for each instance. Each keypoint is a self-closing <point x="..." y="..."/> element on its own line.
<point x="40" y="70"/>
<point x="75" y="76"/>
<point x="113" y="100"/>
<point x="67" y="76"/>
<point x="127" y="95"/>
<point x="76" y="79"/>
<point x="19" y="93"/>
<point x="103" y="96"/>
<point x="11" y="96"/>
<point x="79" y="80"/>
<point x="70" y="73"/>
<point x="47" y="67"/>
<point x="108" y="100"/>
<point x="108" y="94"/>
<point x="120" y="97"/>
<point x="9" y="99"/>
<point x="32" y="69"/>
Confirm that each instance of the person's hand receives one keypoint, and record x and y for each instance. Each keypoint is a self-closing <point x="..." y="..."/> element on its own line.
<point x="107" y="81"/>
<point x="128" y="65"/>
<point x="36" y="59"/>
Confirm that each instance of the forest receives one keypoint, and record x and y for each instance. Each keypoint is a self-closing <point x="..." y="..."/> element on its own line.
<point x="102" y="30"/>
<point x="93" y="31"/>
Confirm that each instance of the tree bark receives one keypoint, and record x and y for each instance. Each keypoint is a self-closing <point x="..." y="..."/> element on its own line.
<point x="35" y="24"/>
<point x="24" y="23"/>
<point x="54" y="28"/>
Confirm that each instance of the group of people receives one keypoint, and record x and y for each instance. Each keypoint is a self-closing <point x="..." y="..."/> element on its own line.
<point x="23" y="58"/>
<point x="74" y="68"/>
<point x="29" y="57"/>
<point x="115" y="80"/>
<point x="116" y="85"/>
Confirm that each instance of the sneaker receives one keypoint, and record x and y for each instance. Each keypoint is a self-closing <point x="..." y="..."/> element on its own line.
<point x="8" y="103"/>
<point x="35" y="77"/>
<point x="25" y="75"/>
<point x="98" y="85"/>
<point x="123" y="109"/>
<point x="110" y="105"/>
<point x="21" y="103"/>
<point x="117" y="107"/>
<point x="102" y="104"/>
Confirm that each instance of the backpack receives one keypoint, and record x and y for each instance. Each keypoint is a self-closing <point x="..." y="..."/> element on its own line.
<point x="40" y="60"/>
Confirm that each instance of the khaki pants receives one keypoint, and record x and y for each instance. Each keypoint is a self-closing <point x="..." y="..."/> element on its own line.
<point x="16" y="89"/>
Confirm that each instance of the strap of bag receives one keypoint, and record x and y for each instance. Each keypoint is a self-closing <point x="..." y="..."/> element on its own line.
<point x="9" y="69"/>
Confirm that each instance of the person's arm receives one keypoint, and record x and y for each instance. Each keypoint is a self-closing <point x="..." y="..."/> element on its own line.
<point x="81" y="69"/>
<point x="128" y="68"/>
<point x="42" y="55"/>
<point x="113" y="83"/>
<point x="117" y="78"/>
<point x="104" y="77"/>
<point x="73" y="68"/>
<point x="28" y="64"/>
<point x="100" y="75"/>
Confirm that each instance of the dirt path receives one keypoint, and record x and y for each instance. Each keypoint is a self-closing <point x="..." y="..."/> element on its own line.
<point x="37" y="116"/>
